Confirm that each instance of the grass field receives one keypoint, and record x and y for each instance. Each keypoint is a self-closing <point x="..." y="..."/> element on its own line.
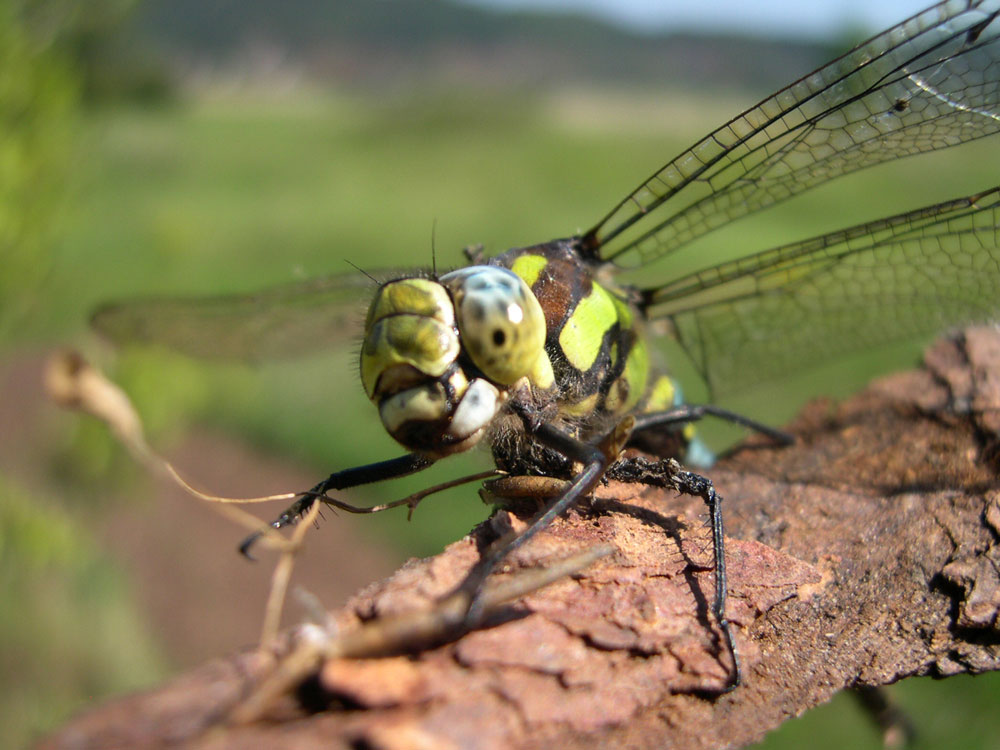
<point x="232" y="193"/>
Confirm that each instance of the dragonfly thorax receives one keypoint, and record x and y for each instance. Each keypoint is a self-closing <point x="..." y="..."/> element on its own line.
<point x="440" y="357"/>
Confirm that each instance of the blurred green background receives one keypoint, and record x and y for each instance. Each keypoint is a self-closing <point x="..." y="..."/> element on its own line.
<point x="138" y="157"/>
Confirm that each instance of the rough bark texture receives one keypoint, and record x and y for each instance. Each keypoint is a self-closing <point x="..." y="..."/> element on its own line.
<point x="863" y="554"/>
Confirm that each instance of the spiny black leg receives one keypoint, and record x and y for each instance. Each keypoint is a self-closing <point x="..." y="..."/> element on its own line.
<point x="291" y="516"/>
<point x="573" y="449"/>
<point x="667" y="473"/>
<point x="695" y="484"/>
<point x="693" y="412"/>
<point x="342" y="480"/>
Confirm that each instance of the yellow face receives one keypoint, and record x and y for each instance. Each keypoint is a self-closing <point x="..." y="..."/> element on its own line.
<point x="409" y="334"/>
<point x="415" y="334"/>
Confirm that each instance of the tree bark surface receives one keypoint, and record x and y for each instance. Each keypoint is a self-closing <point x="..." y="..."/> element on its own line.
<point x="865" y="553"/>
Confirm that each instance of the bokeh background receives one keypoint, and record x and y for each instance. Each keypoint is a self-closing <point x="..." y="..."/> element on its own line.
<point x="190" y="147"/>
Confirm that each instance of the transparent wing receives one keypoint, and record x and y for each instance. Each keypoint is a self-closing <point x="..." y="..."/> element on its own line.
<point x="289" y="320"/>
<point x="930" y="82"/>
<point x="769" y="314"/>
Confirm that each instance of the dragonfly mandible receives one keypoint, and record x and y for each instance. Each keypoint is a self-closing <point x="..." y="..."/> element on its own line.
<point x="541" y="353"/>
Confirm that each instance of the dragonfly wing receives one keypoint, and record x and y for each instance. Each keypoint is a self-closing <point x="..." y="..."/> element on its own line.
<point x="284" y="321"/>
<point x="785" y="309"/>
<point x="930" y="82"/>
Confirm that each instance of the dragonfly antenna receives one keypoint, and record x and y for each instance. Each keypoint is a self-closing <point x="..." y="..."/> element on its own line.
<point x="359" y="268"/>
<point x="434" y="260"/>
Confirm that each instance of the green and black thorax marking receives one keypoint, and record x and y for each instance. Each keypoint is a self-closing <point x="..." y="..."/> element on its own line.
<point x="596" y="344"/>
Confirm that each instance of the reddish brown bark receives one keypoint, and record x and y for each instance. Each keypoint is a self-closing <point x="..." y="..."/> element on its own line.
<point x="865" y="553"/>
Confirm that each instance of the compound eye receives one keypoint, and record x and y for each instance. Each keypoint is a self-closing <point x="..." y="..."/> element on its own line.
<point x="500" y="321"/>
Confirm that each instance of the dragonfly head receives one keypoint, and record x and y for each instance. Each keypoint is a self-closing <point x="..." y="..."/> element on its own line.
<point x="439" y="357"/>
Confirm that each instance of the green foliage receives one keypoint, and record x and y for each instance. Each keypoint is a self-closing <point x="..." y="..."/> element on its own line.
<point x="37" y="101"/>
<point x="67" y="626"/>
<point x="52" y="52"/>
<point x="112" y="63"/>
<point x="67" y="613"/>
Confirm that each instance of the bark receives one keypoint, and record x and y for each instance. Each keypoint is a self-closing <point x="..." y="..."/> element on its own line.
<point x="865" y="553"/>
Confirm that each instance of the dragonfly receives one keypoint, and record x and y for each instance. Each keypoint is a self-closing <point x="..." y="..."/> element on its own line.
<point x="543" y="353"/>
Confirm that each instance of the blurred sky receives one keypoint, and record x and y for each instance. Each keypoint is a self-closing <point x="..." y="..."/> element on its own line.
<point x="813" y="18"/>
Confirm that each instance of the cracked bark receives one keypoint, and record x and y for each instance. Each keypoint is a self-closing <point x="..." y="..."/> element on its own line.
<point x="863" y="554"/>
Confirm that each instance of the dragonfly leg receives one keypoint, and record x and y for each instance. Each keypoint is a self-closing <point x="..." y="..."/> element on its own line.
<point x="685" y="413"/>
<point x="668" y="473"/>
<point x="341" y="480"/>
<point x="690" y="483"/>
<point x="595" y="464"/>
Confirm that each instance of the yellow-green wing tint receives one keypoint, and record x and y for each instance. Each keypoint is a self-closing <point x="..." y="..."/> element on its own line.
<point x="766" y="315"/>
<point x="284" y="321"/>
<point x="932" y="81"/>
